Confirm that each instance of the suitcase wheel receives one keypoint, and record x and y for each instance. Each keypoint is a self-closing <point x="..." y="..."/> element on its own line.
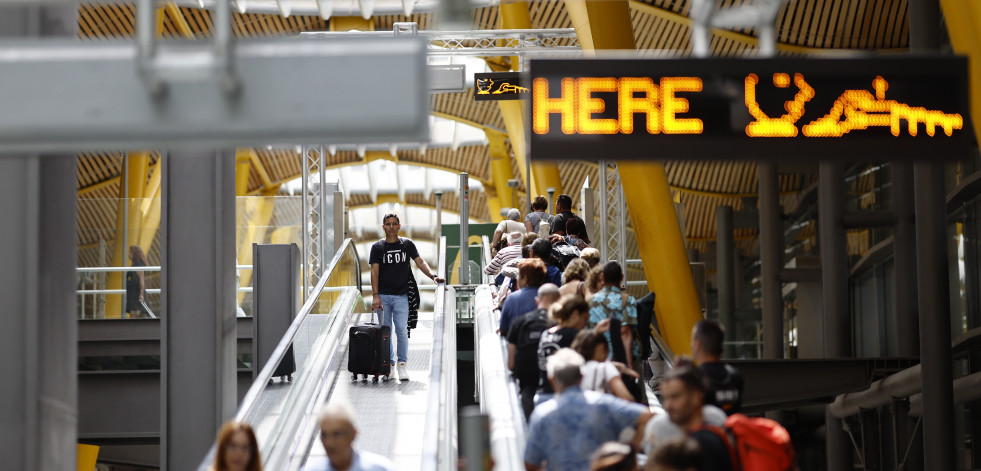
<point x="375" y="379"/>
<point x="354" y="377"/>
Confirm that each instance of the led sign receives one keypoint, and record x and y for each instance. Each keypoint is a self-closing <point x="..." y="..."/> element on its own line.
<point x="856" y="109"/>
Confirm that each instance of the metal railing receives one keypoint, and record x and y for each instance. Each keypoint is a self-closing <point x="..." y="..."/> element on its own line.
<point x="94" y="298"/>
<point x="497" y="390"/>
<point x="285" y="443"/>
<point x="439" y="438"/>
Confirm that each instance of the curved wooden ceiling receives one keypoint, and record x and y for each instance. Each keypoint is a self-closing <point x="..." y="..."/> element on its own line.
<point x="803" y="27"/>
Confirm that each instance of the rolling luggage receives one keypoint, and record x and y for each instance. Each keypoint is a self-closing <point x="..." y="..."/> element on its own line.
<point x="369" y="350"/>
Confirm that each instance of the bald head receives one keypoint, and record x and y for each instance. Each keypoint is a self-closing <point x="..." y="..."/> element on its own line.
<point x="548" y="293"/>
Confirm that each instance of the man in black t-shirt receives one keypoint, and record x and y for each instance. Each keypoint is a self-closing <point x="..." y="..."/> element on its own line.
<point x="523" y="337"/>
<point x="389" y="261"/>
<point x="725" y="382"/>
<point x="563" y="210"/>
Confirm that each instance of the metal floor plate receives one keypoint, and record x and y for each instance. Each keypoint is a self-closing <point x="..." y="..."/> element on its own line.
<point x="391" y="415"/>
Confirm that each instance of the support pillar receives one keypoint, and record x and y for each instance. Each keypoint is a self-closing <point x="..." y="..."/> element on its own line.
<point x="725" y="276"/>
<point x="771" y="260"/>
<point x="38" y="323"/>
<point x="515" y="15"/>
<point x="38" y="327"/>
<point x="662" y="250"/>
<point x="834" y="260"/>
<point x="906" y="324"/>
<point x="931" y="250"/>
<point x="834" y="282"/>
<point x="500" y="174"/>
<point x="934" y="304"/>
<point x="198" y="326"/>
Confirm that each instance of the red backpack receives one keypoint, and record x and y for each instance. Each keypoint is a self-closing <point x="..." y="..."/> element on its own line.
<point x="757" y="444"/>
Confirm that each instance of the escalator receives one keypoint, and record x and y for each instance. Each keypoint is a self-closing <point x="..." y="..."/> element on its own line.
<point x="390" y="414"/>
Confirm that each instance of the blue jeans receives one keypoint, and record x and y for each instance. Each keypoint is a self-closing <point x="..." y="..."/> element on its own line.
<point x="397" y="306"/>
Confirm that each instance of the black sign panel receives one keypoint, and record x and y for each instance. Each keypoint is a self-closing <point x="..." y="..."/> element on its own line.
<point x="499" y="86"/>
<point x="773" y="109"/>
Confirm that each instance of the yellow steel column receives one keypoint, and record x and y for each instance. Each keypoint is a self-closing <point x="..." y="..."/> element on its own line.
<point x="515" y="15"/>
<point x="963" y="20"/>
<point x="136" y="165"/>
<point x="605" y="24"/>
<point x="500" y="173"/>
<point x="150" y="210"/>
<point x="348" y="23"/>
<point x="252" y="214"/>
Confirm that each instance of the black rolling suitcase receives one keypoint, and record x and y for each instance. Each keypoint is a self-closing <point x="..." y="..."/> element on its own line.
<point x="369" y="350"/>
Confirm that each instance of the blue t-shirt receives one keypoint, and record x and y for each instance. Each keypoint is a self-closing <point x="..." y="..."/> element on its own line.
<point x="553" y="275"/>
<point x="566" y="430"/>
<point x="517" y="304"/>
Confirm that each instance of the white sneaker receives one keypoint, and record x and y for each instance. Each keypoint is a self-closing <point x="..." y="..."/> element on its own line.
<point x="403" y="374"/>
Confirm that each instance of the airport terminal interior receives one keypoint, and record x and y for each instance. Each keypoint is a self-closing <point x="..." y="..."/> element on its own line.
<point x="190" y="191"/>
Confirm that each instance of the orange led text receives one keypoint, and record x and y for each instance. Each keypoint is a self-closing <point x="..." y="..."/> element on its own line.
<point x="577" y="104"/>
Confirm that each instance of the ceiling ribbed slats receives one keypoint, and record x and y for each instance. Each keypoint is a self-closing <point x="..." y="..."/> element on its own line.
<point x="462" y="105"/>
<point x="660" y="30"/>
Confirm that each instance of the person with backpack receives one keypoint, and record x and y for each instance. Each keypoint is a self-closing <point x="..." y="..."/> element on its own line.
<point x="563" y="213"/>
<point x="610" y="302"/>
<point x="725" y="382"/>
<point x="523" y="337"/>
<point x="531" y="275"/>
<point x="681" y="395"/>
<point x="538" y="214"/>
<point x="542" y="250"/>
<point x="747" y="443"/>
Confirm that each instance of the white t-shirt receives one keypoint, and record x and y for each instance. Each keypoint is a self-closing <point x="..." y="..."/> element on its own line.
<point x="596" y="376"/>
<point x="508" y="226"/>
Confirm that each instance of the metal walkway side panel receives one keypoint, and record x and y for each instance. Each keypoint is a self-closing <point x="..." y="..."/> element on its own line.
<point x="390" y="415"/>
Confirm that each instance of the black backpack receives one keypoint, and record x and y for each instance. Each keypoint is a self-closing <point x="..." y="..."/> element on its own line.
<point x="564" y="253"/>
<point x="526" y="358"/>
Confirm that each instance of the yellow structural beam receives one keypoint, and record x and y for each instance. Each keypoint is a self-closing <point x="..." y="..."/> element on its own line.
<point x="86" y="457"/>
<point x="605" y="24"/>
<point x="136" y="166"/>
<point x="963" y="20"/>
<point x="150" y="210"/>
<point x="515" y="15"/>
<point x="257" y="212"/>
<point x="500" y="172"/>
<point x="177" y="18"/>
<point x="349" y="23"/>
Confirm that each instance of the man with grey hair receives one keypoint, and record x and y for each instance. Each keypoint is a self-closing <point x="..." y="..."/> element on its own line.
<point x="523" y="338"/>
<point x="565" y="431"/>
<point x="337" y="433"/>
<point x="505" y="227"/>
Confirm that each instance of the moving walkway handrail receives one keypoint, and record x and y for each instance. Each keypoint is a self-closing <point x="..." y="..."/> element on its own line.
<point x="277" y="355"/>
<point x="265" y="375"/>
<point x="498" y="391"/>
<point x="438" y="451"/>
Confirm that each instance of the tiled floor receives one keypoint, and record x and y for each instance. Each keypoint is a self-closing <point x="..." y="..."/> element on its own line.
<point x="391" y="415"/>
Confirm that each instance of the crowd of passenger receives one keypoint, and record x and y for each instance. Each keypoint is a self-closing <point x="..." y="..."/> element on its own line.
<point x="578" y="345"/>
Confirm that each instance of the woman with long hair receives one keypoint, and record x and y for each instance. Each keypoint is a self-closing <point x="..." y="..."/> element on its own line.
<point x="136" y="282"/>
<point x="237" y="448"/>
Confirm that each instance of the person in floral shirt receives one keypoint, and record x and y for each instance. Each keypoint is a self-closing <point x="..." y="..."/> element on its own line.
<point x="610" y="302"/>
